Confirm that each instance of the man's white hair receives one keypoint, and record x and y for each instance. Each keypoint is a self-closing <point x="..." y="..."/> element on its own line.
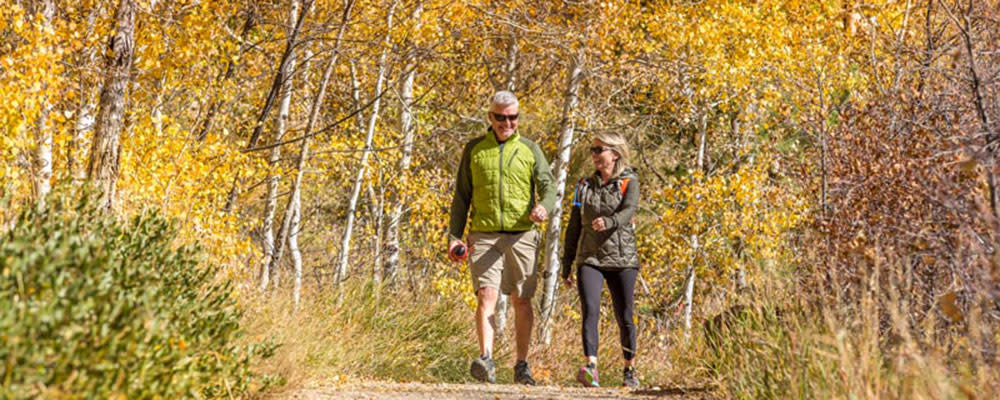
<point x="503" y="98"/>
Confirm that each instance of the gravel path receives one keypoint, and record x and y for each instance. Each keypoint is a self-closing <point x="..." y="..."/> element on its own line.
<point x="421" y="391"/>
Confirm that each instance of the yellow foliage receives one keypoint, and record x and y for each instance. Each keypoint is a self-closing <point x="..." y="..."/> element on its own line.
<point x="459" y="285"/>
<point x="721" y="223"/>
<point x="780" y="55"/>
<point x="760" y="60"/>
<point x="31" y="77"/>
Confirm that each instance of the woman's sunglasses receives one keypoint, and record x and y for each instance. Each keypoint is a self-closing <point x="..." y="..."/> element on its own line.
<point x="598" y="149"/>
<point x="504" y="117"/>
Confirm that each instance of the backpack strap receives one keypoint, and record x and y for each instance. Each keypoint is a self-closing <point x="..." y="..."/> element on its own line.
<point x="578" y="193"/>
<point x="623" y="185"/>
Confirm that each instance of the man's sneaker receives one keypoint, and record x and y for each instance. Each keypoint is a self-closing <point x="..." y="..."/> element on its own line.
<point x="588" y="376"/>
<point x="483" y="370"/>
<point x="522" y="374"/>
<point x="630" y="380"/>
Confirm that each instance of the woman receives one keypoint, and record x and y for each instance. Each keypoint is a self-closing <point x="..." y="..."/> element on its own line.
<point x="600" y="241"/>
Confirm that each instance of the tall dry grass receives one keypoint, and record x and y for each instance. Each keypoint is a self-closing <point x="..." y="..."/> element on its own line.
<point x="876" y="346"/>
<point x="368" y="335"/>
<point x="781" y="344"/>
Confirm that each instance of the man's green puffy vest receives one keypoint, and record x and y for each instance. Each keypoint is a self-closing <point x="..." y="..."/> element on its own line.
<point x="498" y="182"/>
<point x="501" y="177"/>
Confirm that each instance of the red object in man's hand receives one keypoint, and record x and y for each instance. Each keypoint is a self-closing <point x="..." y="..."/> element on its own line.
<point x="458" y="252"/>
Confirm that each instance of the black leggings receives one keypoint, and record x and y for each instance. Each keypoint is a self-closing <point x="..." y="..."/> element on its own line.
<point x="621" y="284"/>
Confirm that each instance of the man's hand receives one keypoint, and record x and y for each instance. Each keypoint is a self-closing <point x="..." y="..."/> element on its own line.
<point x="568" y="281"/>
<point x="539" y="214"/>
<point x="451" y="248"/>
<point x="598" y="224"/>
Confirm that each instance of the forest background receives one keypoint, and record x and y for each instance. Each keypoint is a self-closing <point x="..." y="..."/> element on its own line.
<point x="819" y="199"/>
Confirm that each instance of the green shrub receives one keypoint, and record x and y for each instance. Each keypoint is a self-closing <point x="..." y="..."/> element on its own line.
<point x="91" y="307"/>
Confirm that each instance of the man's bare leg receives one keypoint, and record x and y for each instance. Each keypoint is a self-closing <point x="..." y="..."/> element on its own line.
<point x="524" y="320"/>
<point x="487" y="301"/>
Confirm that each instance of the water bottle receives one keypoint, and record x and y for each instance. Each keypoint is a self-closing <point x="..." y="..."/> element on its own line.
<point x="459" y="252"/>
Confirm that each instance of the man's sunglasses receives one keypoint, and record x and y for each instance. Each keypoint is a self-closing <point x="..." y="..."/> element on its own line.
<point x="598" y="149"/>
<point x="503" y="117"/>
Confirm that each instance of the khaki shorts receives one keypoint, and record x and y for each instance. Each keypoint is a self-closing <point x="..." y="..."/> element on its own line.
<point x="504" y="261"/>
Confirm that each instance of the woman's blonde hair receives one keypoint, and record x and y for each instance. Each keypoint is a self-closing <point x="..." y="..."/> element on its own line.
<point x="617" y="143"/>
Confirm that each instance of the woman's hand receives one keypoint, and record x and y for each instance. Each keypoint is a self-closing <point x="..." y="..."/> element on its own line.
<point x="598" y="224"/>
<point x="568" y="281"/>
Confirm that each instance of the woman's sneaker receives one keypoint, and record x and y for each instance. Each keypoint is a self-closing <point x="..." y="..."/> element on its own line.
<point x="630" y="380"/>
<point x="483" y="369"/>
<point x="588" y="376"/>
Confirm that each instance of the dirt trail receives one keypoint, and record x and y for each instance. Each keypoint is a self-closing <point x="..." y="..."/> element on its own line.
<point x="420" y="391"/>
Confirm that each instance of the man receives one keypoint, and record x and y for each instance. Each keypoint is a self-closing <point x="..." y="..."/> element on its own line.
<point x="497" y="179"/>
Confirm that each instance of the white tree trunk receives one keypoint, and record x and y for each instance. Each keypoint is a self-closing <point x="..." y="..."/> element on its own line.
<point x="43" y="155"/>
<point x="360" y="120"/>
<point x="695" y="247"/>
<point x="293" y="242"/>
<point x="284" y="71"/>
<point x="84" y="116"/>
<point x="512" y="63"/>
<point x="345" y="244"/>
<point x="407" y="128"/>
<point x="375" y="211"/>
<point x="702" y="139"/>
<point x="294" y="213"/>
<point x="689" y="300"/>
<point x="374" y="208"/>
<point x="290" y="210"/>
<point x="271" y="202"/>
<point x="42" y="160"/>
<point x="104" y="162"/>
<point x="279" y="78"/>
<point x="294" y="227"/>
<point x="77" y="149"/>
<point x="566" y="128"/>
<point x="359" y="117"/>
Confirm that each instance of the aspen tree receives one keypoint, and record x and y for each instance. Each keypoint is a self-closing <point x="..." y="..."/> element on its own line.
<point x="293" y="211"/>
<point x="104" y="163"/>
<point x="407" y="128"/>
<point x="42" y="160"/>
<point x="566" y="129"/>
<point x="270" y="262"/>
<point x="345" y="245"/>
